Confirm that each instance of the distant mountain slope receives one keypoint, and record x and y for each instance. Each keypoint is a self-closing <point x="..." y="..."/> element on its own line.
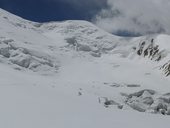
<point x="78" y="35"/>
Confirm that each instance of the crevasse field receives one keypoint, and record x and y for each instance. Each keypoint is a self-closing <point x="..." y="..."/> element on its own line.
<point x="72" y="74"/>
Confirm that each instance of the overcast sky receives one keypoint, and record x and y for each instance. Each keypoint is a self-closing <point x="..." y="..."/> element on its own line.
<point x="124" y="17"/>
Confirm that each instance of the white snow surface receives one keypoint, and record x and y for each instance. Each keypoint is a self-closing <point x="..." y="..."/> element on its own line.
<point x="60" y="75"/>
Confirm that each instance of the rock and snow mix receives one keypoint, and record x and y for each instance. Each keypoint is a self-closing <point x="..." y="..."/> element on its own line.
<point x="148" y="100"/>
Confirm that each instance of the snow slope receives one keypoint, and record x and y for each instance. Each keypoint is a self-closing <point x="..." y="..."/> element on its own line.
<point x="73" y="74"/>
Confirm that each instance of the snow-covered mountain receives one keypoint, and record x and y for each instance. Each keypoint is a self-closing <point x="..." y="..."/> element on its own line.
<point x="73" y="74"/>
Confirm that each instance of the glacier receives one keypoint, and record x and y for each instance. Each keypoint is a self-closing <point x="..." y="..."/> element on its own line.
<point x="73" y="74"/>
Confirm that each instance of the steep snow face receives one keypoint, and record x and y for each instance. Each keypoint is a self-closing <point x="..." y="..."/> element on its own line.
<point x="20" y="45"/>
<point x="81" y="36"/>
<point x="73" y="74"/>
<point x="37" y="47"/>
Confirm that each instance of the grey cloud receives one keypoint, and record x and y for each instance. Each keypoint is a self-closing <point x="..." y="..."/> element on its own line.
<point x="135" y="16"/>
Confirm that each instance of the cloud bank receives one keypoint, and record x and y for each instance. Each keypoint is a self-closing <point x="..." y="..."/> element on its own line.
<point x="135" y="16"/>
